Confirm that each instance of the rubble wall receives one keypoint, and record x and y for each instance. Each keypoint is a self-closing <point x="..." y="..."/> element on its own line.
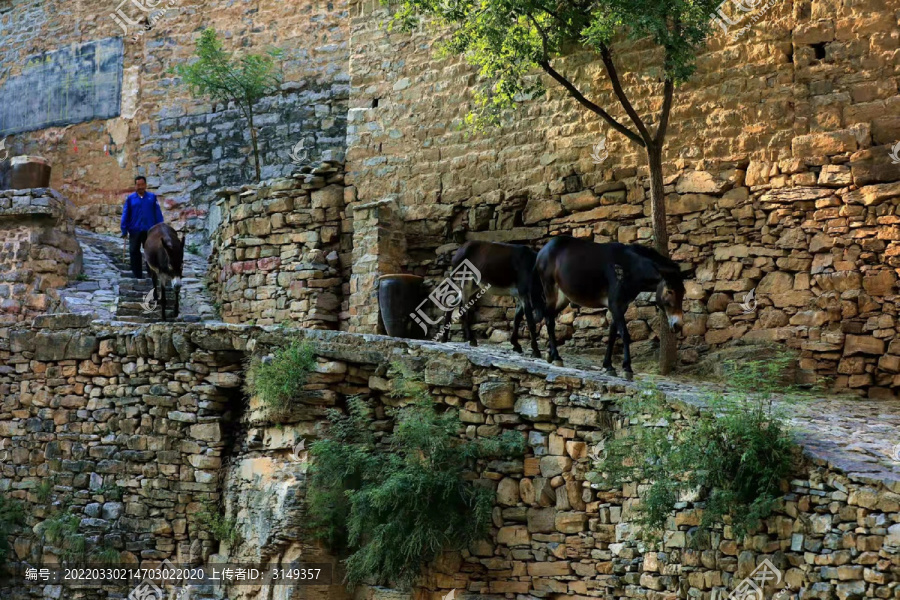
<point x="778" y="172"/>
<point x="277" y="253"/>
<point x="39" y="253"/>
<point x="157" y="411"/>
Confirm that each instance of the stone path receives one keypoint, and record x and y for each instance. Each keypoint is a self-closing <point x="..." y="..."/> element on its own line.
<point x="108" y="291"/>
<point x="861" y="437"/>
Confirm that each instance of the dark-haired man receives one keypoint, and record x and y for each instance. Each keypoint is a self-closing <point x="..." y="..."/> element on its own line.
<point x="140" y="213"/>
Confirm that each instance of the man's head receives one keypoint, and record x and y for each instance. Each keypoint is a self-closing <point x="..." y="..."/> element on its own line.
<point x="140" y="184"/>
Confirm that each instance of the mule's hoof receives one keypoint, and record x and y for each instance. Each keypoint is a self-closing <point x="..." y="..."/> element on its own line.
<point x="610" y="371"/>
<point x="536" y="353"/>
<point x="517" y="349"/>
<point x="629" y="375"/>
<point x="473" y="344"/>
<point x="558" y="362"/>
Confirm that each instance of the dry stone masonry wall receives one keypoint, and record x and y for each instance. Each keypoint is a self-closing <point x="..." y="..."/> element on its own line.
<point x="277" y="252"/>
<point x="157" y="412"/>
<point x="39" y="254"/>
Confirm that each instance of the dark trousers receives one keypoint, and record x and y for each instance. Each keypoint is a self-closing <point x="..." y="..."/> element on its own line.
<point x="135" y="241"/>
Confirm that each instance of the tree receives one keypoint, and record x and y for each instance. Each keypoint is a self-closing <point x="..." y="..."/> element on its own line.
<point x="510" y="40"/>
<point x="224" y="77"/>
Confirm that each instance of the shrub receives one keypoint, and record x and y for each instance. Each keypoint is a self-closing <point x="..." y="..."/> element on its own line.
<point x="11" y="516"/>
<point x="279" y="379"/>
<point x="393" y="507"/>
<point x="220" y="527"/>
<point x="735" y="454"/>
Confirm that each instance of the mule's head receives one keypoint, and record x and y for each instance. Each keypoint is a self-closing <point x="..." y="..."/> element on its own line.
<point x="669" y="297"/>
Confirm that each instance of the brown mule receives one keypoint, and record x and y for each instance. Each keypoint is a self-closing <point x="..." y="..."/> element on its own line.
<point x="505" y="270"/>
<point x="607" y="276"/>
<point x="164" y="253"/>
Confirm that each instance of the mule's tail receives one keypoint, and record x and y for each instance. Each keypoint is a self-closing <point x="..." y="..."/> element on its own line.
<point x="538" y="303"/>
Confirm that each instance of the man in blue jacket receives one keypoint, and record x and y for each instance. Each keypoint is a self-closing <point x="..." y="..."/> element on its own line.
<point x="141" y="212"/>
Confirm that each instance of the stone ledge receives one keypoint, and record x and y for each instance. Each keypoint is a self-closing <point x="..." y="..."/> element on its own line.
<point x="850" y="435"/>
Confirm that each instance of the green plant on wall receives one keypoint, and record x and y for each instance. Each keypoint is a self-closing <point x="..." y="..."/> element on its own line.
<point x="732" y="456"/>
<point x="277" y="379"/>
<point x="11" y="516"/>
<point x="394" y="505"/>
<point x="224" y="77"/>
<point x="220" y="527"/>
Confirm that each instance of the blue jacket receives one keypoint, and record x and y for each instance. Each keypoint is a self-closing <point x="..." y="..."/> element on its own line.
<point x="140" y="214"/>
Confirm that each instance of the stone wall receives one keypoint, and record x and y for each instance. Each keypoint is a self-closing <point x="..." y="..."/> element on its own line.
<point x="186" y="147"/>
<point x="277" y="251"/>
<point x="38" y="252"/>
<point x="157" y="411"/>
<point x="777" y="168"/>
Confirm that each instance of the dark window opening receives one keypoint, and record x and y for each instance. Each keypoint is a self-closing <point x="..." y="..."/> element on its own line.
<point x="819" y="50"/>
<point x="375" y="102"/>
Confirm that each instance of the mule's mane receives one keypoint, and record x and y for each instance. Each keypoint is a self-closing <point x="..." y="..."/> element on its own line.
<point x="667" y="267"/>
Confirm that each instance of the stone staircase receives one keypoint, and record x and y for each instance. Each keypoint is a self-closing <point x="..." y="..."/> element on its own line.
<point x="132" y="294"/>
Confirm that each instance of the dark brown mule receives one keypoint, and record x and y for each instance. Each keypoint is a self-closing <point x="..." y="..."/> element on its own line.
<point x="164" y="254"/>
<point x="611" y="276"/>
<point x="508" y="269"/>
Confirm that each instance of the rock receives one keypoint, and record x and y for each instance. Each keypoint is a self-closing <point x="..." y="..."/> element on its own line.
<point x="700" y="182"/>
<point x="497" y="395"/>
<point x="863" y="344"/>
<point x="688" y="203"/>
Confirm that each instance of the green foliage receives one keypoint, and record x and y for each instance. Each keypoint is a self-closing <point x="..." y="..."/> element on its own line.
<point x="193" y="249"/>
<point x="110" y="492"/>
<point x="509" y="40"/>
<point x="11" y="516"/>
<point x="280" y="379"/>
<point x="104" y="555"/>
<point x="219" y="526"/>
<point x="61" y="530"/>
<point x="394" y="506"/>
<point x="81" y="277"/>
<point x="45" y="489"/>
<point x="735" y="454"/>
<point x="224" y="77"/>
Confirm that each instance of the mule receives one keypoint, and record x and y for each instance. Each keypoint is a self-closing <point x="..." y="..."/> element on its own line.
<point x="607" y="276"/>
<point x="508" y="269"/>
<point x="164" y="253"/>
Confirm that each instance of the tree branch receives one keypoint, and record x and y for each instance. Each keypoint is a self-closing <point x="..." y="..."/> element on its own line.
<point x="575" y="93"/>
<point x="668" y="93"/>
<point x="620" y="94"/>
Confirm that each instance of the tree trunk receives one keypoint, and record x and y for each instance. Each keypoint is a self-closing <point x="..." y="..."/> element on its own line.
<point x="255" y="145"/>
<point x="668" y="347"/>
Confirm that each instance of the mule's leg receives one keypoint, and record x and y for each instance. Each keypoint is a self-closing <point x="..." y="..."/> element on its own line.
<point x="550" y="293"/>
<point x="517" y="321"/>
<point x="162" y="304"/>
<point x="467" y="316"/>
<point x="532" y="329"/>
<point x="177" y="292"/>
<point x="448" y="324"/>
<point x="607" y="362"/>
<point x="618" y="313"/>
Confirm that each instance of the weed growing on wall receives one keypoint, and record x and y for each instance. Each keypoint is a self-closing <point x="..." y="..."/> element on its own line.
<point x="732" y="458"/>
<point x="220" y="527"/>
<point x="391" y="505"/>
<point x="278" y="379"/>
<point x="11" y="516"/>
